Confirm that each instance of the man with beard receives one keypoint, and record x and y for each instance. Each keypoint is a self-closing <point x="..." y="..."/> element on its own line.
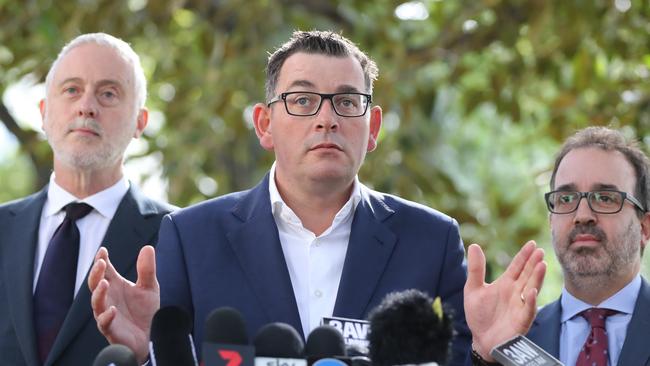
<point x="94" y="106"/>
<point x="600" y="227"/>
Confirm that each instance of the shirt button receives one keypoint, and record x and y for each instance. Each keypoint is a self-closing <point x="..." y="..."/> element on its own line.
<point x="318" y="293"/>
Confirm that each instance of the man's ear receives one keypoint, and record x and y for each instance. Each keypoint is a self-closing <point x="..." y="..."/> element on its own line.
<point x="262" y="123"/>
<point x="375" y="127"/>
<point x="41" y="107"/>
<point x="645" y="229"/>
<point x="141" y="123"/>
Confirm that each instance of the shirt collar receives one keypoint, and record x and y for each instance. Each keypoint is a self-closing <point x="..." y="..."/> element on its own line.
<point x="623" y="301"/>
<point x="105" y="202"/>
<point x="281" y="210"/>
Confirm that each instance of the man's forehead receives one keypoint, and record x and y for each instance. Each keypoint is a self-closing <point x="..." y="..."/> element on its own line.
<point x="98" y="61"/>
<point x="595" y="168"/>
<point x="319" y="71"/>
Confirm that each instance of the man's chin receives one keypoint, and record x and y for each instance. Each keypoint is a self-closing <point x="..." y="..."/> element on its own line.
<point x="86" y="161"/>
<point x="586" y="266"/>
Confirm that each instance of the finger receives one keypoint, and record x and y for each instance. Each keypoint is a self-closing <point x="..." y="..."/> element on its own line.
<point x="104" y="321"/>
<point x="519" y="261"/>
<point x="530" y="309"/>
<point x="102" y="253"/>
<point x="98" y="298"/>
<point x="475" y="267"/>
<point x="146" y="266"/>
<point x="111" y="272"/>
<point x="535" y="258"/>
<point x="536" y="279"/>
<point x="96" y="274"/>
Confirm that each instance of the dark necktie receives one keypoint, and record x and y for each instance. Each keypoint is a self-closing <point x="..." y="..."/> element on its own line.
<point x="594" y="352"/>
<point x="55" y="287"/>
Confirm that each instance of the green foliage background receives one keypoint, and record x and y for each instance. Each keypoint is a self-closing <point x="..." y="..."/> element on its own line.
<point x="477" y="97"/>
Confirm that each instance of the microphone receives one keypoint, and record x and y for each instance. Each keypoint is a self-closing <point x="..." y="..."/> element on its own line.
<point x="408" y="327"/>
<point x="225" y="340"/>
<point x="520" y="350"/>
<point x="358" y="355"/>
<point x="171" y="338"/>
<point x="279" y="344"/>
<point x="115" y="355"/>
<point x="326" y="347"/>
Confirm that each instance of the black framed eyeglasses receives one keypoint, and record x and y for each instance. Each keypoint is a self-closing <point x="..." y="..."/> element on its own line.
<point x="301" y="103"/>
<point x="604" y="202"/>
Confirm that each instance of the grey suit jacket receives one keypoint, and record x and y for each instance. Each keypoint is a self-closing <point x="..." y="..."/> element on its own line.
<point x="135" y="224"/>
<point x="545" y="330"/>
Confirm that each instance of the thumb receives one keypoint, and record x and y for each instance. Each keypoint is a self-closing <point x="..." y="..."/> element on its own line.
<point x="475" y="267"/>
<point x="147" y="268"/>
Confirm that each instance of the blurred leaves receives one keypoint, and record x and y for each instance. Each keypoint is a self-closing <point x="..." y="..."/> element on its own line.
<point x="477" y="97"/>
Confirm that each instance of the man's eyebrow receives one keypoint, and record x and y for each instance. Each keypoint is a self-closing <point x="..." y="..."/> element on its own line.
<point x="69" y="80"/>
<point x="115" y="82"/>
<point x="308" y="84"/>
<point x="605" y="186"/>
<point x="566" y="187"/>
<point x="594" y="187"/>
<point x="100" y="83"/>
<point x="302" y="82"/>
<point x="347" y="89"/>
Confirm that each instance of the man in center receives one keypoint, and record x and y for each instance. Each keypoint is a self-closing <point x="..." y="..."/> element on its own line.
<point x="308" y="241"/>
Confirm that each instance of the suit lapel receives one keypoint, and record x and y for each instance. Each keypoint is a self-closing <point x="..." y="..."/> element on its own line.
<point x="22" y="236"/>
<point x="545" y="331"/>
<point x="635" y="349"/>
<point x="257" y="247"/>
<point x="128" y="231"/>
<point x="369" y="249"/>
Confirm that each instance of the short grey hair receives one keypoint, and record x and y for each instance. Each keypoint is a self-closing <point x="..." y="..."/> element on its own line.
<point x="122" y="48"/>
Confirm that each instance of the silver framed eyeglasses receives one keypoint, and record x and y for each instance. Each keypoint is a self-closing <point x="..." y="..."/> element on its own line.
<point x="305" y="104"/>
<point x="604" y="202"/>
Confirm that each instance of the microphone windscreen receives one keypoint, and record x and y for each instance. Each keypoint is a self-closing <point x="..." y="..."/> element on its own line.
<point x="117" y="355"/>
<point x="325" y="341"/>
<point x="225" y="325"/>
<point x="406" y="329"/>
<point x="171" y="339"/>
<point x="278" y="340"/>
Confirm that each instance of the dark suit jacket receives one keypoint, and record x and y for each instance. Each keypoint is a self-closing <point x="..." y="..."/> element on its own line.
<point x="135" y="224"/>
<point x="227" y="252"/>
<point x="545" y="330"/>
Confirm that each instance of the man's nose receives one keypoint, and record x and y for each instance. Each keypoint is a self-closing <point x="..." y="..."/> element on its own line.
<point x="584" y="214"/>
<point x="326" y="117"/>
<point x="87" y="107"/>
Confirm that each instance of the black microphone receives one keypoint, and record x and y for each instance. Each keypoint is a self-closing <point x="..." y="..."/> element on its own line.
<point x="225" y="342"/>
<point x="171" y="338"/>
<point x="279" y="344"/>
<point x="520" y="351"/>
<point x="326" y="347"/>
<point x="358" y="355"/>
<point x="115" y="355"/>
<point x="408" y="328"/>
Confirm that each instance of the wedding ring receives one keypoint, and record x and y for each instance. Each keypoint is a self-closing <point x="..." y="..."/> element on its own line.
<point x="521" y="296"/>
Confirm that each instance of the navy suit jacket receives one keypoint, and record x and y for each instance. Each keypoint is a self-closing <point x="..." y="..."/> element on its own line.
<point x="135" y="224"/>
<point x="545" y="330"/>
<point x="227" y="252"/>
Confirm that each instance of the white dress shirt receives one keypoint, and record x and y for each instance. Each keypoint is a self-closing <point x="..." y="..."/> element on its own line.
<point x="575" y="329"/>
<point x="315" y="263"/>
<point x="92" y="227"/>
